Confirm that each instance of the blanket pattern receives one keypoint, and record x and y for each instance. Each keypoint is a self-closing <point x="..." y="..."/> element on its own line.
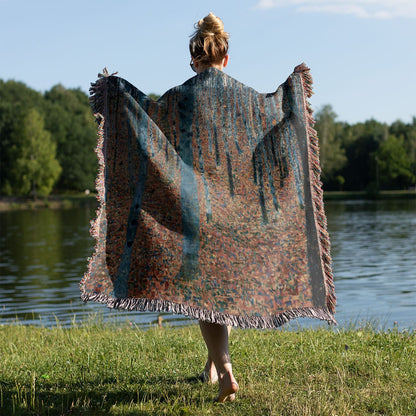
<point x="210" y="202"/>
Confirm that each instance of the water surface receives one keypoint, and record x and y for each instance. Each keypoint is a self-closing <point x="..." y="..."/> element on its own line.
<point x="43" y="256"/>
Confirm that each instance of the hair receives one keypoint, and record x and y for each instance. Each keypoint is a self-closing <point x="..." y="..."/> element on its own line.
<point x="209" y="42"/>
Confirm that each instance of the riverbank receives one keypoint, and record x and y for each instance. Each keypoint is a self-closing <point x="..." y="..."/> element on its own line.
<point x="64" y="201"/>
<point x="344" y="195"/>
<point x="11" y="203"/>
<point x="101" y="369"/>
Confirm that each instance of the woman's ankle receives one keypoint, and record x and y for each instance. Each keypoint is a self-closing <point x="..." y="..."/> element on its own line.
<point x="227" y="387"/>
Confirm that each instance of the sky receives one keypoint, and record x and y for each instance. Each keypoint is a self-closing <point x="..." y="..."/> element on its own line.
<point x="361" y="53"/>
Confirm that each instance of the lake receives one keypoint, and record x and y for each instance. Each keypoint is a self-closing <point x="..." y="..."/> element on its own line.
<point x="43" y="256"/>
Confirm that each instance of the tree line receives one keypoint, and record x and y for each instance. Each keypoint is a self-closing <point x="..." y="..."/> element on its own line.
<point x="369" y="156"/>
<point x="47" y="140"/>
<point x="47" y="143"/>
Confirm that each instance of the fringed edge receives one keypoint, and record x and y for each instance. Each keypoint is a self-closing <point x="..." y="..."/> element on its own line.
<point x="241" y="321"/>
<point x="98" y="99"/>
<point x="98" y="92"/>
<point x="316" y="188"/>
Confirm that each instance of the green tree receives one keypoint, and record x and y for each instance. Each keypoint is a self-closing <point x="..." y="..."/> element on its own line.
<point x="71" y="123"/>
<point x="332" y="154"/>
<point x="35" y="168"/>
<point x="15" y="99"/>
<point x="153" y="96"/>
<point x="394" y="164"/>
<point x="361" y="142"/>
<point x="8" y="113"/>
<point x="408" y="133"/>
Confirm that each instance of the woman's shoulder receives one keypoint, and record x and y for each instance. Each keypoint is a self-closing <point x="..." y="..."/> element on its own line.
<point x="212" y="78"/>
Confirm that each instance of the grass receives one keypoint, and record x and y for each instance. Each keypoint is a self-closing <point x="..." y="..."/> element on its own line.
<point x="104" y="369"/>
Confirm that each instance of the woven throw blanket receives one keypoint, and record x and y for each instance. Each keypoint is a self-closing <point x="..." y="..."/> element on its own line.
<point x="210" y="202"/>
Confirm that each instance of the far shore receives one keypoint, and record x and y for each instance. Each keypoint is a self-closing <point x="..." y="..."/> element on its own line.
<point x="344" y="195"/>
<point x="61" y="201"/>
<point x="65" y="201"/>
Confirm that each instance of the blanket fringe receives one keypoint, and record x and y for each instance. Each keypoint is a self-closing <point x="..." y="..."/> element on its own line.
<point x="316" y="188"/>
<point x="241" y="321"/>
<point x="97" y="102"/>
<point x="97" y="92"/>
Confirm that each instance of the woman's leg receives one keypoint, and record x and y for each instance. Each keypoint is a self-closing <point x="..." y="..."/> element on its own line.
<point x="216" y="339"/>
<point x="209" y="374"/>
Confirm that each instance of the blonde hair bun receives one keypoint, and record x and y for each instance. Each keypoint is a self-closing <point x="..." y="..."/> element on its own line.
<point x="209" y="43"/>
<point x="211" y="25"/>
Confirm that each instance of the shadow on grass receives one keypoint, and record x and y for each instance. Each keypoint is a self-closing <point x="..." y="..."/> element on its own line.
<point x="98" y="397"/>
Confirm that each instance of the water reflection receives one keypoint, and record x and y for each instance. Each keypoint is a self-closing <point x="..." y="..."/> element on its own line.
<point x="43" y="257"/>
<point x="374" y="260"/>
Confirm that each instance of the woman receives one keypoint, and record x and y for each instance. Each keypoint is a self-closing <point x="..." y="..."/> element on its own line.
<point x="209" y="49"/>
<point x="211" y="203"/>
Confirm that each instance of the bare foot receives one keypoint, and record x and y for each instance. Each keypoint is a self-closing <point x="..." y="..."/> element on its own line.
<point x="228" y="388"/>
<point x="209" y="375"/>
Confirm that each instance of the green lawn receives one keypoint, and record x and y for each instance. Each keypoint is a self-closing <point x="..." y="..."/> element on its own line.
<point x="104" y="369"/>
